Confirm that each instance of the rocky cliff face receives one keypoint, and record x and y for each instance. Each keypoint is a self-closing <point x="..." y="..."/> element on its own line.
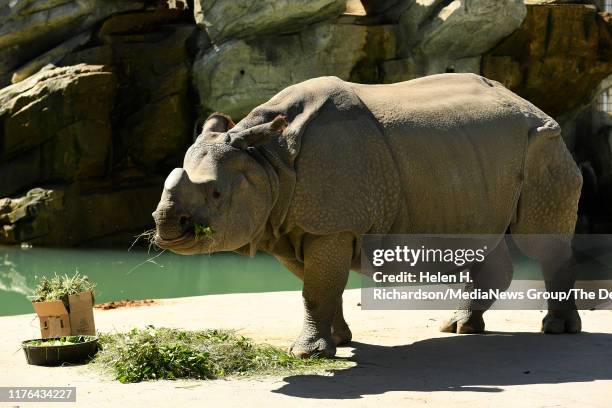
<point x="97" y="128"/>
<point x="556" y="58"/>
<point x="99" y="98"/>
<point x="31" y="29"/>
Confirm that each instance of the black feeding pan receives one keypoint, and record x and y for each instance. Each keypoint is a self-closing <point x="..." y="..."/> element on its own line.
<point x="55" y="351"/>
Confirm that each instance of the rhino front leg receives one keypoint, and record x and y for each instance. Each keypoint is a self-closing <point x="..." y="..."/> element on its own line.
<point x="341" y="334"/>
<point x="327" y="261"/>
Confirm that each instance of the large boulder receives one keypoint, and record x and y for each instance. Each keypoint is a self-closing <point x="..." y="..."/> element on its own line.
<point x="557" y="58"/>
<point x="449" y="36"/>
<point x="223" y="19"/>
<point x="240" y="74"/>
<point x="56" y="125"/>
<point x="36" y="214"/>
<point x="465" y="29"/>
<point x="28" y="28"/>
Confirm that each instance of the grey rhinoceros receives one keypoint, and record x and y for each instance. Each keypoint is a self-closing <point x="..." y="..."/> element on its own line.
<point x="305" y="174"/>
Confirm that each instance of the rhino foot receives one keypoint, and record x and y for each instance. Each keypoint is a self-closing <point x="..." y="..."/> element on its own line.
<point x="313" y="347"/>
<point x="342" y="336"/>
<point x="464" y="322"/>
<point x="557" y="322"/>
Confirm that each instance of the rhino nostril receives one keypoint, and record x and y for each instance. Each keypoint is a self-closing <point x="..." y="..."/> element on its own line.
<point x="184" y="221"/>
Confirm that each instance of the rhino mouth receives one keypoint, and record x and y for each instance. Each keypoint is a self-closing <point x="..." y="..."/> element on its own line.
<point x="185" y="241"/>
<point x="188" y="235"/>
<point x="188" y="243"/>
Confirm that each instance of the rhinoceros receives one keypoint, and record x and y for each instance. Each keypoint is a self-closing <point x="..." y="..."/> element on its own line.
<point x="306" y="174"/>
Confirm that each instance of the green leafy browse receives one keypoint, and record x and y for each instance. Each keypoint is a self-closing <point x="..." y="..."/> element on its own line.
<point x="62" y="341"/>
<point x="60" y="287"/>
<point x="162" y="353"/>
<point x="202" y="231"/>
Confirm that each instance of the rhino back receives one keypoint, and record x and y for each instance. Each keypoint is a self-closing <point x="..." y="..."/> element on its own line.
<point x="459" y="143"/>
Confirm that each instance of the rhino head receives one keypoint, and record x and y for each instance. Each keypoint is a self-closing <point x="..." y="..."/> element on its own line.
<point x="222" y="196"/>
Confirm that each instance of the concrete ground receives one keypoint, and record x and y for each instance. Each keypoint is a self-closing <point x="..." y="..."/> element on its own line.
<point x="400" y="359"/>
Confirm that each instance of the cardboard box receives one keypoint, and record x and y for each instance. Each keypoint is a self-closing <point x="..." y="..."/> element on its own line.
<point x="54" y="320"/>
<point x="81" y="314"/>
<point x="57" y="321"/>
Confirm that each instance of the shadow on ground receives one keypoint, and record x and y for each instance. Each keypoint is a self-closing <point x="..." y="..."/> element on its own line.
<point x="482" y="363"/>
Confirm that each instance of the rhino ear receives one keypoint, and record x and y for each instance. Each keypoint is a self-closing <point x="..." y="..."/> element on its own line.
<point x="214" y="125"/>
<point x="218" y="122"/>
<point x="257" y="135"/>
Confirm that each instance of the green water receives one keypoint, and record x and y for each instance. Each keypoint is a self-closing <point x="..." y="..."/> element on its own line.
<point x="120" y="274"/>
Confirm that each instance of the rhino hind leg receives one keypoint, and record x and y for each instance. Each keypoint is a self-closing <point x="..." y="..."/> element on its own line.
<point x="556" y="259"/>
<point x="548" y="204"/>
<point x="494" y="273"/>
<point x="341" y="334"/>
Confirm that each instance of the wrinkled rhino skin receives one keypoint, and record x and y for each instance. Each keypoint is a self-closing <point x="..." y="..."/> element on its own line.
<point x="305" y="174"/>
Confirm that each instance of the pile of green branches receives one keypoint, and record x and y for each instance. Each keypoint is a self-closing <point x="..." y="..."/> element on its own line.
<point x="162" y="353"/>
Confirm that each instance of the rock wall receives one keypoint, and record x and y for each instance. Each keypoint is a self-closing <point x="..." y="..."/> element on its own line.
<point x="558" y="60"/>
<point x="450" y="36"/>
<point x="569" y="45"/>
<point x="71" y="140"/>
<point x="245" y="18"/>
<point x="99" y="98"/>
<point x="406" y="40"/>
<point x="31" y="28"/>
<point x="256" y="69"/>
<point x="97" y="129"/>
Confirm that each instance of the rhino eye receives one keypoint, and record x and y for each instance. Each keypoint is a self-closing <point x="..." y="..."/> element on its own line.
<point x="216" y="194"/>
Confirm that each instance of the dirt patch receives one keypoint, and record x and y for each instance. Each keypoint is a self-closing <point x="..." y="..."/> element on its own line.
<point x="115" y="304"/>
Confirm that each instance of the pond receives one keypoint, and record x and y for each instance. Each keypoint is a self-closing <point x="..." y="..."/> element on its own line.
<point x="120" y="274"/>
